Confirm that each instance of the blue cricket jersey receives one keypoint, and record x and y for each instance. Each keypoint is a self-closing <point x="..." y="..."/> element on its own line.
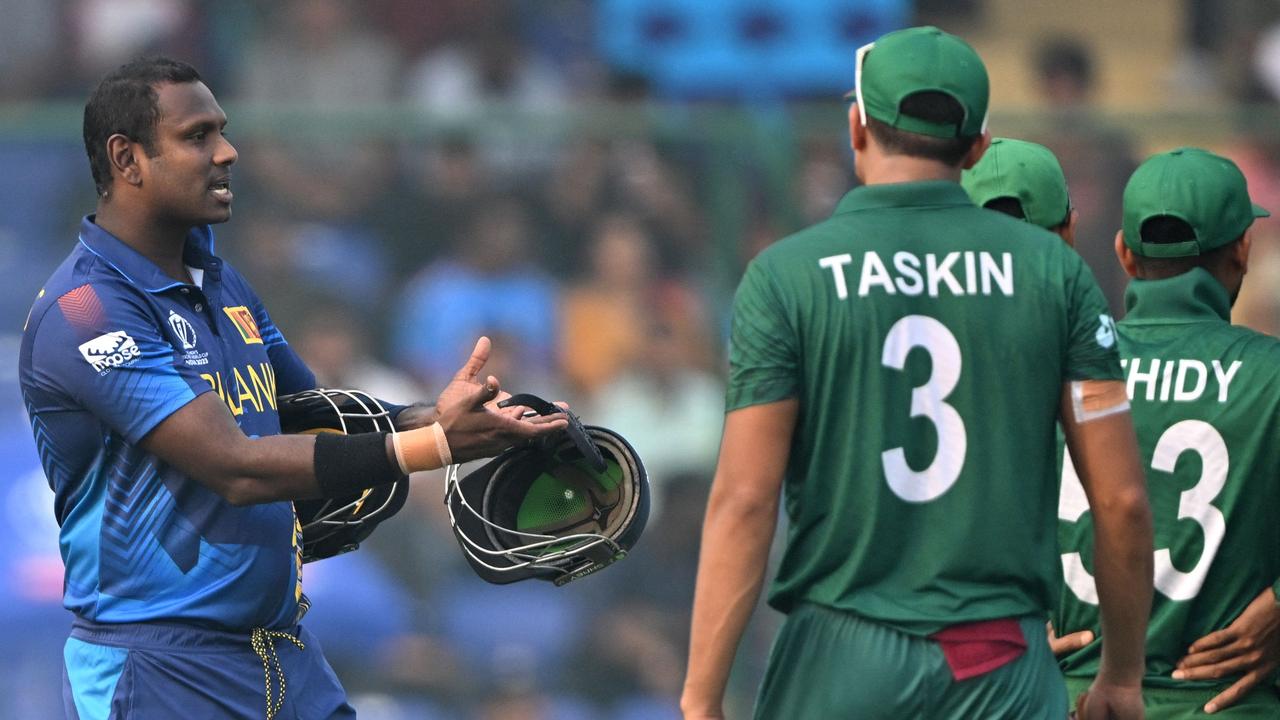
<point x="111" y="348"/>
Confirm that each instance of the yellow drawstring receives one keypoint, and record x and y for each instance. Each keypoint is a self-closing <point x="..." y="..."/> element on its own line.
<point x="260" y="639"/>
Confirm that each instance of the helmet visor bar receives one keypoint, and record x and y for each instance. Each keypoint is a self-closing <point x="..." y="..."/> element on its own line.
<point x="370" y="409"/>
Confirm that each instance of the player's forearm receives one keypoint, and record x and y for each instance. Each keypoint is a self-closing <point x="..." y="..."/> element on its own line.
<point x="1100" y="437"/>
<point x="735" y="549"/>
<point x="341" y="465"/>
<point x="267" y="469"/>
<point x="741" y="515"/>
<point x="202" y="440"/>
<point x="285" y="467"/>
<point x="1123" y="568"/>
<point x="296" y="467"/>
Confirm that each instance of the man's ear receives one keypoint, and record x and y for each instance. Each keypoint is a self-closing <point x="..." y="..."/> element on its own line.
<point x="1125" y="256"/>
<point x="976" y="152"/>
<point x="124" y="161"/>
<point x="1241" y="253"/>
<point x="1068" y="230"/>
<point x="857" y="131"/>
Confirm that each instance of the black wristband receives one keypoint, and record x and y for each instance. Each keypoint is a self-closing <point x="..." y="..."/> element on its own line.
<point x="347" y="464"/>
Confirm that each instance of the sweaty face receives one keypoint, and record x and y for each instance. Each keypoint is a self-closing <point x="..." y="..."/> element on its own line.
<point x="188" y="179"/>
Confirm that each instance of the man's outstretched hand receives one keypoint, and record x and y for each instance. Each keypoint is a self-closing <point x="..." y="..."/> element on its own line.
<point x="473" y="424"/>
<point x="1249" y="646"/>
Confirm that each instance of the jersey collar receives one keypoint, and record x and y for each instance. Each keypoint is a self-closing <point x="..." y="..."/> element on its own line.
<point x="137" y="269"/>
<point x="1194" y="296"/>
<point x="926" y="193"/>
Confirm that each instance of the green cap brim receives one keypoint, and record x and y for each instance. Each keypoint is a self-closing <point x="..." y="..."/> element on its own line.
<point x="1259" y="211"/>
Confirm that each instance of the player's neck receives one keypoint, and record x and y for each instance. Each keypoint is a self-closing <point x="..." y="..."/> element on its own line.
<point x="161" y="243"/>
<point x="905" y="168"/>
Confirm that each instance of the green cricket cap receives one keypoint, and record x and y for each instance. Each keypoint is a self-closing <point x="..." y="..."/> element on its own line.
<point x="1026" y="172"/>
<point x="1205" y="190"/>
<point x="920" y="59"/>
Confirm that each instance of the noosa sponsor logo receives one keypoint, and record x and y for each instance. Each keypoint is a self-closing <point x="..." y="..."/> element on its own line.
<point x="114" y="349"/>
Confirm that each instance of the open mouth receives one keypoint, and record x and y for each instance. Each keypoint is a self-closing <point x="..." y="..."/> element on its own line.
<point x="222" y="190"/>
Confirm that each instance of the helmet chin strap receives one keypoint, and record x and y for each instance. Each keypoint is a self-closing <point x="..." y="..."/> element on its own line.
<point x="576" y="431"/>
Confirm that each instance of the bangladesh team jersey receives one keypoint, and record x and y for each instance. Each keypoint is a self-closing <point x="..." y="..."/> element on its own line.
<point x="111" y="348"/>
<point x="1205" y="399"/>
<point x="927" y="341"/>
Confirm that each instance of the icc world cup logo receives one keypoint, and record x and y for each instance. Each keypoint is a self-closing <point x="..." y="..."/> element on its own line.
<point x="183" y="328"/>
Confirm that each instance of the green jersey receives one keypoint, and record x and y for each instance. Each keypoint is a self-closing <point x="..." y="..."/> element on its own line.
<point x="927" y="341"/>
<point x="1205" y="398"/>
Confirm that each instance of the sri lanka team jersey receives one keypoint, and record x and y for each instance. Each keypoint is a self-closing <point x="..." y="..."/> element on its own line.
<point x="112" y="347"/>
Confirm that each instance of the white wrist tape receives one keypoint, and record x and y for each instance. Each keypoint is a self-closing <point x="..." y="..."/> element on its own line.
<point x="421" y="449"/>
<point x="442" y="445"/>
<point x="1096" y="399"/>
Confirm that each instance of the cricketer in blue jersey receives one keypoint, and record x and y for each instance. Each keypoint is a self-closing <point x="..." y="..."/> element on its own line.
<point x="150" y="371"/>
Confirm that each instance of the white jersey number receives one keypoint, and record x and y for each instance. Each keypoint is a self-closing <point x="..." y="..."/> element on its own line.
<point x="1193" y="504"/>
<point x="929" y="401"/>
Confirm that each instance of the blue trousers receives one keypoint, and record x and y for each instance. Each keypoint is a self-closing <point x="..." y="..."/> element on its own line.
<point x="149" y="671"/>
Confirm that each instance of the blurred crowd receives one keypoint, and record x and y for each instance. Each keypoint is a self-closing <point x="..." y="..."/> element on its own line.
<point x="413" y="175"/>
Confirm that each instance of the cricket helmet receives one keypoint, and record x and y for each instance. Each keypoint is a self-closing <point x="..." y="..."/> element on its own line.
<point x="557" y="509"/>
<point x="332" y="526"/>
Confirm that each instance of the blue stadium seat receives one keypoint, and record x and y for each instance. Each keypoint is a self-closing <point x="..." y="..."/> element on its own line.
<point x="744" y="49"/>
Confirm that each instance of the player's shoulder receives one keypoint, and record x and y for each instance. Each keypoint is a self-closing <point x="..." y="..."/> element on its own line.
<point x="81" y="285"/>
<point x="780" y="259"/>
<point x="1249" y="343"/>
<point x="788" y="246"/>
<point x="1258" y="351"/>
<point x="840" y="233"/>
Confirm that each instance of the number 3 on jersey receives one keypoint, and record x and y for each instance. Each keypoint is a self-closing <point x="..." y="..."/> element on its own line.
<point x="929" y="401"/>
<point x="1193" y="504"/>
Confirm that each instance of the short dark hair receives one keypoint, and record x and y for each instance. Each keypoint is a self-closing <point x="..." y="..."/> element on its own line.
<point x="125" y="103"/>
<point x="935" y="107"/>
<point x="1167" y="229"/>
<point x="1008" y="206"/>
<point x="1013" y="206"/>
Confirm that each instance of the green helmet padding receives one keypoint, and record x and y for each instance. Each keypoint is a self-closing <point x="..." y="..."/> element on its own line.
<point x="561" y="497"/>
